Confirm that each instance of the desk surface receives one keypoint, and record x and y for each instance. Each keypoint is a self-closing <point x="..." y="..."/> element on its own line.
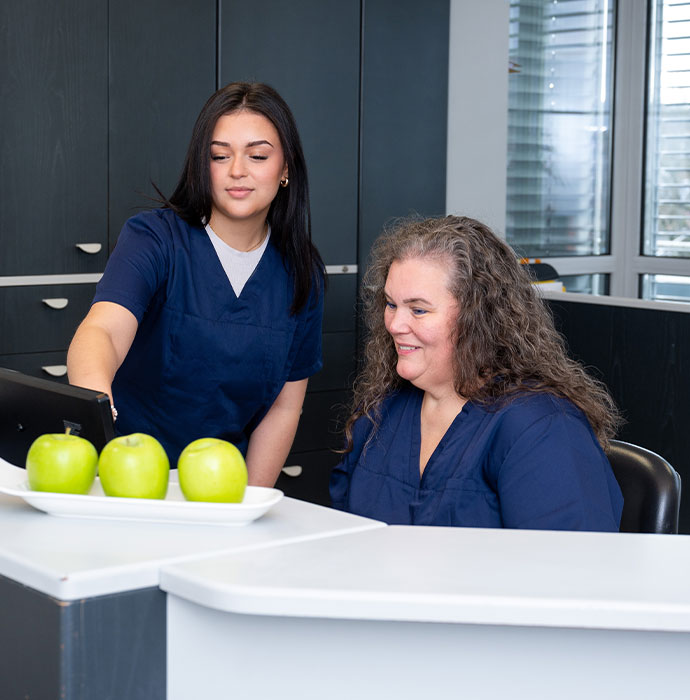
<point x="476" y="576"/>
<point x="71" y="558"/>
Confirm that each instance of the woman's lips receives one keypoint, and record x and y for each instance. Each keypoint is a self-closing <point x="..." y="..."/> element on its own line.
<point x="238" y="192"/>
<point x="405" y="349"/>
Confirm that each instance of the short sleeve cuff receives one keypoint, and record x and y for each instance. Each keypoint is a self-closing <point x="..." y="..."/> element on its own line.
<point x="304" y="372"/>
<point x="117" y="297"/>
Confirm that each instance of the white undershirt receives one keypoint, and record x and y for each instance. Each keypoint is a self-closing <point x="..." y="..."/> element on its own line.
<point x="237" y="264"/>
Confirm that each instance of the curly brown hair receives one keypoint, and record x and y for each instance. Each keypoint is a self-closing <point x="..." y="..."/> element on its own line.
<point x="504" y="336"/>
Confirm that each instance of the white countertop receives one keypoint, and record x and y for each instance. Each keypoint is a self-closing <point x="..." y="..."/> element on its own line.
<point x="476" y="576"/>
<point x="71" y="558"/>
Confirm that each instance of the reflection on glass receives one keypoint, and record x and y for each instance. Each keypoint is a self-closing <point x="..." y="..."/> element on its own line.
<point x="666" y="287"/>
<point x="667" y="186"/>
<point x="559" y="135"/>
<point x="597" y="284"/>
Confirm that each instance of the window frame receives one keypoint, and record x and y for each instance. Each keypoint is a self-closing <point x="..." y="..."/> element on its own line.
<point x="626" y="264"/>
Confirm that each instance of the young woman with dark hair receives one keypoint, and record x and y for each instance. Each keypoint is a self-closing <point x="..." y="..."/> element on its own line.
<point x="207" y="321"/>
<point x="467" y="410"/>
<point x="192" y="199"/>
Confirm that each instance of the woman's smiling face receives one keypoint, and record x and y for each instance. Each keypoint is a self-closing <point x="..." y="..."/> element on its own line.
<point x="420" y="315"/>
<point x="247" y="164"/>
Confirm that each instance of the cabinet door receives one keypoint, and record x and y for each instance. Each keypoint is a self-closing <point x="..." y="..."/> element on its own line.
<point x="309" y="52"/>
<point x="308" y="474"/>
<point x="404" y="113"/>
<point x="46" y="365"/>
<point x="321" y="422"/>
<point x="42" y="318"/>
<point x="162" y="71"/>
<point x="53" y="121"/>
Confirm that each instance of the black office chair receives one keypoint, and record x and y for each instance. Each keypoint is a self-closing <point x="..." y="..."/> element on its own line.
<point x="651" y="489"/>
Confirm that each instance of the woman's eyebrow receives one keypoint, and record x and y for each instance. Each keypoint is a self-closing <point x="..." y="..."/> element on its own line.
<point x="411" y="300"/>
<point x="261" y="142"/>
<point x="416" y="300"/>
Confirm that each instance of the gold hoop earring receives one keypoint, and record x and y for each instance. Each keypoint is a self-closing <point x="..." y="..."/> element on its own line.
<point x="284" y="182"/>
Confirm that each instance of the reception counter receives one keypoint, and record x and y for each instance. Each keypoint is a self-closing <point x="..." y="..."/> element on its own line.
<point x="81" y="613"/>
<point x="309" y="602"/>
<point x="410" y="612"/>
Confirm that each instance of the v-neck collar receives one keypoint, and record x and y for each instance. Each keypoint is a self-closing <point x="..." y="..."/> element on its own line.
<point x="416" y="439"/>
<point x="222" y="281"/>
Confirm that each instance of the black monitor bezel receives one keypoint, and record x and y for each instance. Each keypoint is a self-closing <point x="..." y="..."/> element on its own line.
<point x="31" y="406"/>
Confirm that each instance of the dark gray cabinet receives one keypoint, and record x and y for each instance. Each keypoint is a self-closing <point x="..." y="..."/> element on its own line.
<point x="310" y="52"/>
<point x="162" y="70"/>
<point x="53" y="126"/>
<point x="38" y="324"/>
<point x="53" y="174"/>
<point x="97" y="101"/>
<point x="42" y="317"/>
<point x="404" y="113"/>
<point x="97" y="104"/>
<point x="46" y="365"/>
<point x="402" y="71"/>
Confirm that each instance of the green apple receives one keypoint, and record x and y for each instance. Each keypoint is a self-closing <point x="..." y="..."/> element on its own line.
<point x="61" y="462"/>
<point x="134" y="466"/>
<point x="213" y="470"/>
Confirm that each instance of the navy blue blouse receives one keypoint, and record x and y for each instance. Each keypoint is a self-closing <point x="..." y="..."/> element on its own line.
<point x="204" y="362"/>
<point x="533" y="462"/>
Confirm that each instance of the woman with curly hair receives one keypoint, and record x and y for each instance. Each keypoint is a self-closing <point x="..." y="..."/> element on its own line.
<point x="467" y="410"/>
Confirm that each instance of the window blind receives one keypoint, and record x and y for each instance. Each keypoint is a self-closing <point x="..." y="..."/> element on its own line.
<point x="667" y="162"/>
<point x="559" y="126"/>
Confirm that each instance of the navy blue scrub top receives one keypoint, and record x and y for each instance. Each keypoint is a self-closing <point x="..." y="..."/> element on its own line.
<point x="533" y="462"/>
<point x="204" y="362"/>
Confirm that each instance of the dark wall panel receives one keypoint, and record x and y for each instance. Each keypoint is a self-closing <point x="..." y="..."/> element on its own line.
<point x="115" y="646"/>
<point x="309" y="52"/>
<point x="404" y="113"/>
<point x="339" y="312"/>
<point x="106" y="647"/>
<point x="642" y="356"/>
<point x="162" y="71"/>
<point x="339" y="351"/>
<point x="30" y="665"/>
<point x="321" y="421"/>
<point x="53" y="121"/>
<point x="312" y="483"/>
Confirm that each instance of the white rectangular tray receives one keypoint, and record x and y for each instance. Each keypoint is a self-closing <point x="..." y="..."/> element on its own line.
<point x="173" y="509"/>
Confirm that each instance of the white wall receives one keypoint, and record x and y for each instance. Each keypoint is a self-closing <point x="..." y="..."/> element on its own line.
<point x="478" y="110"/>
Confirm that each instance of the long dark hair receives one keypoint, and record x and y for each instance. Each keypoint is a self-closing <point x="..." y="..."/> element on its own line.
<point x="505" y="340"/>
<point x="289" y="215"/>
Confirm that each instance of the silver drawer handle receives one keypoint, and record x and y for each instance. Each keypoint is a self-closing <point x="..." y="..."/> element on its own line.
<point x="90" y="248"/>
<point x="293" y="471"/>
<point x="55" y="370"/>
<point x="344" y="269"/>
<point x="57" y="303"/>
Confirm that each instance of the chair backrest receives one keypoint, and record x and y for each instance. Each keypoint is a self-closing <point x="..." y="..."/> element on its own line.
<point x="651" y="489"/>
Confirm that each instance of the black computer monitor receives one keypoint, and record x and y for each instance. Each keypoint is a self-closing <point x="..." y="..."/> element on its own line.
<point x="30" y="407"/>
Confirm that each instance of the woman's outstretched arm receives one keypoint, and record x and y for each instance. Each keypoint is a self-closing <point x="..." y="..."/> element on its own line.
<point x="100" y="345"/>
